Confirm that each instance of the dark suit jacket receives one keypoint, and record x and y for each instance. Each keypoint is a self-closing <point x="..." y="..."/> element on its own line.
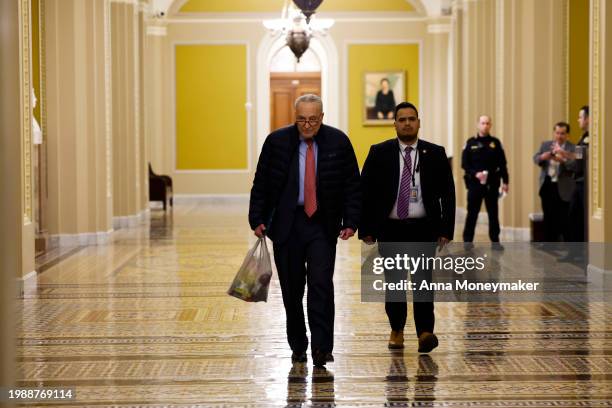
<point x="275" y="188"/>
<point x="565" y="183"/>
<point x="380" y="183"/>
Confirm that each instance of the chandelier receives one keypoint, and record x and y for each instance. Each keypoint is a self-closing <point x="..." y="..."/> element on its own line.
<point x="298" y="25"/>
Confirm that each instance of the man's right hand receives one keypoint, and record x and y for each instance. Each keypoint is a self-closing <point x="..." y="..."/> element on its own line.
<point x="260" y="231"/>
<point x="368" y="239"/>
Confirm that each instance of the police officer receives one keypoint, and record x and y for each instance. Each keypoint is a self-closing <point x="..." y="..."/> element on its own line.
<point x="484" y="162"/>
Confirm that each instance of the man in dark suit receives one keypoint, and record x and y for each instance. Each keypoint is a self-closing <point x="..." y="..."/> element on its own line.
<point x="408" y="196"/>
<point x="557" y="182"/>
<point x="305" y="194"/>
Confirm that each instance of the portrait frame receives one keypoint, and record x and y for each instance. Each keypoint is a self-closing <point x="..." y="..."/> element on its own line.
<point x="372" y="84"/>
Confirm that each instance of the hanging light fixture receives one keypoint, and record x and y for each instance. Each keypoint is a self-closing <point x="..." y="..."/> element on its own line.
<point x="308" y="7"/>
<point x="298" y="25"/>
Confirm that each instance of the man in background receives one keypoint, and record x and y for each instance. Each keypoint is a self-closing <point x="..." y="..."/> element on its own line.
<point x="484" y="162"/>
<point x="556" y="183"/>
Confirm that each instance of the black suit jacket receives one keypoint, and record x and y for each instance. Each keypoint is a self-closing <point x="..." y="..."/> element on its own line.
<point x="276" y="185"/>
<point x="380" y="183"/>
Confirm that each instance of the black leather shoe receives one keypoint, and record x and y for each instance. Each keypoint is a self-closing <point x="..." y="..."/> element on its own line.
<point x="468" y="246"/>
<point x="427" y="342"/>
<point x="320" y="358"/>
<point x="496" y="246"/>
<point x="299" y="357"/>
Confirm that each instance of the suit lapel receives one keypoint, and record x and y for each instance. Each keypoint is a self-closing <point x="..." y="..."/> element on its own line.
<point x="294" y="169"/>
<point x="393" y="160"/>
<point x="422" y="165"/>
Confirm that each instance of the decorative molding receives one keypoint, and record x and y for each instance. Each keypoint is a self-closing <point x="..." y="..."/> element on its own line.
<point x="257" y="17"/>
<point x="160" y="31"/>
<point x="439" y="28"/>
<point x="73" y="240"/>
<point x="595" y="115"/>
<point x="131" y="221"/>
<point x="211" y="198"/>
<point x="595" y="272"/>
<point x="25" y="39"/>
<point x="248" y="111"/>
<point x="516" y="234"/>
<point x="42" y="100"/>
<point x="28" y="276"/>
<point x="181" y="198"/>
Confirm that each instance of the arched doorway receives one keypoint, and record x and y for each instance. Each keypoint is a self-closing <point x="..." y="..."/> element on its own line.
<point x="289" y="80"/>
<point x="325" y="51"/>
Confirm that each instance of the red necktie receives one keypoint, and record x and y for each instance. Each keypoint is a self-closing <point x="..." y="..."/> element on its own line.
<point x="310" y="181"/>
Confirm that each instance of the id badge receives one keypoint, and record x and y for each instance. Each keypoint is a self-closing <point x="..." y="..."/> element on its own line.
<point x="414" y="194"/>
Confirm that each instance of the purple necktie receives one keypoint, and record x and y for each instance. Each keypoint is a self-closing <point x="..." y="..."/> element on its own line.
<point x="403" y="198"/>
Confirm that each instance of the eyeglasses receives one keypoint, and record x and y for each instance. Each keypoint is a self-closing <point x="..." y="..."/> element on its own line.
<point x="311" y="122"/>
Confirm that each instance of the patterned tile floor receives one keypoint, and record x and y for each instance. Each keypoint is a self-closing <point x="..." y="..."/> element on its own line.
<point x="145" y="322"/>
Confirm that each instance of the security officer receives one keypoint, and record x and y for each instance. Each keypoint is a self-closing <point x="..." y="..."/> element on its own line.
<point x="484" y="162"/>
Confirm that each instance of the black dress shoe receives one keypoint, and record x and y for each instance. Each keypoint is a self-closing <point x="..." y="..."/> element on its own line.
<point x="299" y="357"/>
<point x="320" y="358"/>
<point x="427" y="342"/>
<point x="496" y="246"/>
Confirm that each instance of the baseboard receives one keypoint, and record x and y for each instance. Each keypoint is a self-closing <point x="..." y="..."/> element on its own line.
<point x="210" y="198"/>
<point x="518" y="234"/>
<point x="131" y="221"/>
<point x="27" y="283"/>
<point x="596" y="271"/>
<point x="87" y="238"/>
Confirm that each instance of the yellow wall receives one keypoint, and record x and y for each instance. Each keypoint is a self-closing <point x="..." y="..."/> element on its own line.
<point x="377" y="57"/>
<point x="578" y="62"/>
<point x="211" y="6"/>
<point x="211" y="92"/>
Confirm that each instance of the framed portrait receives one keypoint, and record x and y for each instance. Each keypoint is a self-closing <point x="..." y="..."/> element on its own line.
<point x="383" y="90"/>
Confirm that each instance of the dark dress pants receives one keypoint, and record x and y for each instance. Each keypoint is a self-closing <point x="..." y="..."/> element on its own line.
<point x="409" y="231"/>
<point x="307" y="258"/>
<point x="490" y="195"/>
<point x="576" y="214"/>
<point x="555" y="212"/>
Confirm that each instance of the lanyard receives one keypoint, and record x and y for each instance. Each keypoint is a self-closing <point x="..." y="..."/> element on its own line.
<point x="415" y="167"/>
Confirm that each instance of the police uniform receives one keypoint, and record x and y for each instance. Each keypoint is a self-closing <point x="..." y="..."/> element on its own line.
<point x="483" y="153"/>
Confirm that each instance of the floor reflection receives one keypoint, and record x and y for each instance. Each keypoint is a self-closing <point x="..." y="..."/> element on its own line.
<point x="297" y="385"/>
<point x="397" y="382"/>
<point x="322" y="387"/>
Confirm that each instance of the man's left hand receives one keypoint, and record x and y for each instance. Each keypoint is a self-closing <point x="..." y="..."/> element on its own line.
<point x="505" y="188"/>
<point x="346" y="233"/>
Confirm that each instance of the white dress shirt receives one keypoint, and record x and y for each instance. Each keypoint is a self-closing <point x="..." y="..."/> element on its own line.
<point x="415" y="210"/>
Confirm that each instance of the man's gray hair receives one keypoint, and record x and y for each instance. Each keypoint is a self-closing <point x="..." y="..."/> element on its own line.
<point x="309" y="98"/>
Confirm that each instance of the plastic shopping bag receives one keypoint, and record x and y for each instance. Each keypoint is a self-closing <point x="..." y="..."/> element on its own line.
<point x="252" y="281"/>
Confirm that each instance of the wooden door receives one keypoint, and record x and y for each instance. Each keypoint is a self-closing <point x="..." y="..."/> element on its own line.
<point x="285" y="87"/>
